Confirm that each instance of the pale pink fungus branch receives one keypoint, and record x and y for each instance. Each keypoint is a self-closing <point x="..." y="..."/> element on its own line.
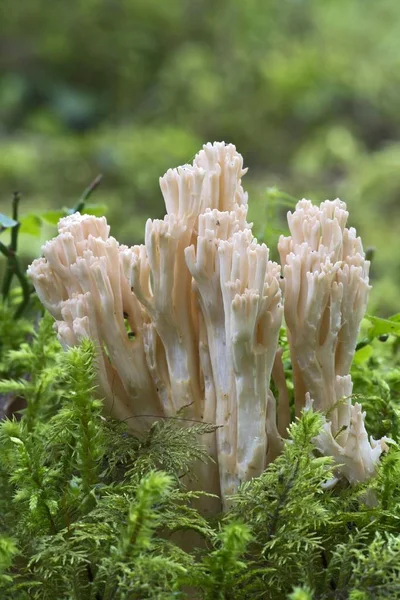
<point x="326" y="291"/>
<point x="188" y="320"/>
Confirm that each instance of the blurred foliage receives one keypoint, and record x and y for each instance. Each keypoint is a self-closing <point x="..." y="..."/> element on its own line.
<point x="307" y="90"/>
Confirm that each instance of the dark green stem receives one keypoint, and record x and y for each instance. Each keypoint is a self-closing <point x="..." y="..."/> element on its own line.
<point x="9" y="270"/>
<point x="15" y="230"/>
<point x="87" y="193"/>
<point x="13" y="267"/>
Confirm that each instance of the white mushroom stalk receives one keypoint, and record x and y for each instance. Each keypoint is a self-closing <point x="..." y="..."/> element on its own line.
<point x="188" y="320"/>
<point x="240" y="299"/>
<point x="326" y="291"/>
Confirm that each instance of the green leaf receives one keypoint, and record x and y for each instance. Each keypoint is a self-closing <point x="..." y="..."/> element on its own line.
<point x="6" y="222"/>
<point x="17" y="441"/>
<point x="97" y="210"/>
<point x="363" y="354"/>
<point x="31" y="224"/>
<point x="33" y="502"/>
<point x="381" y="326"/>
<point x="51" y="217"/>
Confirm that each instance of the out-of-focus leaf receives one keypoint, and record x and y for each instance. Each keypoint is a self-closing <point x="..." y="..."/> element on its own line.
<point x="98" y="210"/>
<point x="275" y="195"/>
<point x="381" y="326"/>
<point x="31" y="224"/>
<point x="363" y="354"/>
<point x="51" y="217"/>
<point x="6" y="222"/>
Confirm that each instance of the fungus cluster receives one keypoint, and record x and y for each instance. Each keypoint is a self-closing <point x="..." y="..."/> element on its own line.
<point x="326" y="292"/>
<point x="189" y="321"/>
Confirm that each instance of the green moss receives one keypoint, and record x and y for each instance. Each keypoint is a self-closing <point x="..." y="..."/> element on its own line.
<point x="89" y="510"/>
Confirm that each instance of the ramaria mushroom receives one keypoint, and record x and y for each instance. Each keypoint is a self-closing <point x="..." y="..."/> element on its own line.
<point x="326" y="291"/>
<point x="203" y="300"/>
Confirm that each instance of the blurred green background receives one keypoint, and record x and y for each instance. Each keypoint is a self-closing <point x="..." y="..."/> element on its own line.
<point x="308" y="90"/>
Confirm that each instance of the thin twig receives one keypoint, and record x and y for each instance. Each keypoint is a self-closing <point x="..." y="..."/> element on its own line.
<point x="87" y="193"/>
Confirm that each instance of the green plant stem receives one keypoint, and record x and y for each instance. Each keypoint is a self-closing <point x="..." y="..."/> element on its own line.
<point x="12" y="247"/>
<point x="80" y="205"/>
<point x="9" y="270"/>
<point x="13" y="267"/>
<point x="282" y="500"/>
<point x="14" y="230"/>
